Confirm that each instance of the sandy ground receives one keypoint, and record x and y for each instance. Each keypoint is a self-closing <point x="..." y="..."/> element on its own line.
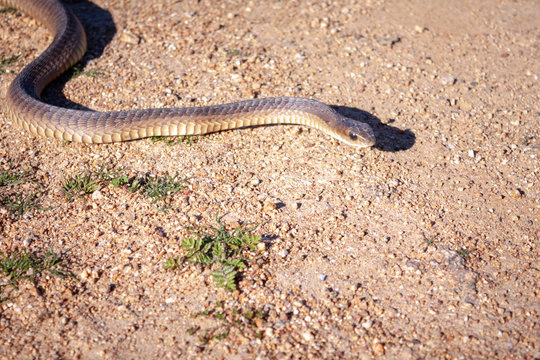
<point x="425" y="246"/>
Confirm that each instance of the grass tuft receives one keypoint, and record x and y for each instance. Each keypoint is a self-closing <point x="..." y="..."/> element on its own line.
<point x="10" y="10"/>
<point x="8" y="61"/>
<point x="185" y="139"/>
<point x="23" y="265"/>
<point x="77" y="71"/>
<point x="156" y="188"/>
<point x="12" y="195"/>
<point x="248" y="323"/>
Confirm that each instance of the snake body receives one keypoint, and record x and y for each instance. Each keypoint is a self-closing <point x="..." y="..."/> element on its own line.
<point x="27" y="109"/>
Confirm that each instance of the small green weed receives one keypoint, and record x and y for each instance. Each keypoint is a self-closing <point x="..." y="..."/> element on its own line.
<point x="185" y="139"/>
<point x="247" y="323"/>
<point x="464" y="253"/>
<point x="78" y="185"/>
<point x="19" y="204"/>
<point x="12" y="198"/>
<point x="158" y="189"/>
<point x="77" y="71"/>
<point x="90" y="181"/>
<point x="230" y="53"/>
<point x="216" y="247"/>
<point x="10" y="178"/>
<point x="10" y="10"/>
<point x="27" y="266"/>
<point x="8" y="61"/>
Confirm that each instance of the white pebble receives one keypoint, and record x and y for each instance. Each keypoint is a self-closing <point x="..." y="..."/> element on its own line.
<point x="283" y="253"/>
<point x="96" y="195"/>
<point x="448" y="80"/>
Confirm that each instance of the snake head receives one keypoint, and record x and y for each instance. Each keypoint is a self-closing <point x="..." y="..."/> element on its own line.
<point x="353" y="132"/>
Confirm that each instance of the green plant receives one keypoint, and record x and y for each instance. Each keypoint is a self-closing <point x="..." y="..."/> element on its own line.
<point x="464" y="253"/>
<point x="17" y="203"/>
<point x="8" y="61"/>
<point x="10" y="178"/>
<point x="156" y="188"/>
<point x="216" y="247"/>
<point x="246" y="322"/>
<point x="185" y="139"/>
<point x="27" y="266"/>
<point x="77" y="71"/>
<point x="159" y="188"/>
<point x="8" y="10"/>
<point x="79" y="185"/>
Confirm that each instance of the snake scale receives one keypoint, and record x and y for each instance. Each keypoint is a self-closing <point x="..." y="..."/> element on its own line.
<point x="69" y="44"/>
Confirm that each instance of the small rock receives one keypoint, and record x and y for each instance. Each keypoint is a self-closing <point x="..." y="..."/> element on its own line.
<point x="96" y="195"/>
<point x="471" y="153"/>
<point x="448" y="80"/>
<point x="307" y="336"/>
<point x="378" y="348"/>
<point x="129" y="38"/>
<point x="283" y="253"/>
<point x="85" y="274"/>
<point x="322" y="277"/>
<point x="367" y="324"/>
<point x="261" y="246"/>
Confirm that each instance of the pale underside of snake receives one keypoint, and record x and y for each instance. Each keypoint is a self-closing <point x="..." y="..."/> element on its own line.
<point x="27" y="109"/>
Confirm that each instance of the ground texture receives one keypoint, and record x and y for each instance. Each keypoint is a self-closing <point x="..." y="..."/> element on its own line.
<point x="424" y="246"/>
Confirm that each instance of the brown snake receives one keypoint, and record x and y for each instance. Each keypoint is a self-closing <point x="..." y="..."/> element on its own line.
<point x="69" y="45"/>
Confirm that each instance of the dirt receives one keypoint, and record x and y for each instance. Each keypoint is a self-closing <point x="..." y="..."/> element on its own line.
<point x="424" y="246"/>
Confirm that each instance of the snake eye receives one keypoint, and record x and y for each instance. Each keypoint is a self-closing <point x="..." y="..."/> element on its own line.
<point x="353" y="136"/>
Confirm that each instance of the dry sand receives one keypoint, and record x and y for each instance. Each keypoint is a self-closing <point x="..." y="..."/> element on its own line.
<point x="425" y="246"/>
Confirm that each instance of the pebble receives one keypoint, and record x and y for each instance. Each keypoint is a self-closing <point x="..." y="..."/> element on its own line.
<point x="97" y="195"/>
<point x="378" y="348"/>
<point x="129" y="38"/>
<point x="448" y="80"/>
<point x="308" y="336"/>
<point x="283" y="253"/>
<point x="367" y="324"/>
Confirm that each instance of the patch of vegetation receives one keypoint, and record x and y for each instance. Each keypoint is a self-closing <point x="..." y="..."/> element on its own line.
<point x="11" y="178"/>
<point x="464" y="253"/>
<point x="79" y="185"/>
<point x="7" y="61"/>
<point x="173" y="140"/>
<point x="23" y="265"/>
<point x="248" y="323"/>
<point x="77" y="71"/>
<point x="230" y="53"/>
<point x="10" y="10"/>
<point x="219" y="249"/>
<point x="19" y="204"/>
<point x="12" y="192"/>
<point x="157" y="189"/>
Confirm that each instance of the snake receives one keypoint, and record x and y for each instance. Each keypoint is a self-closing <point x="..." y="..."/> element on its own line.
<point x="26" y="108"/>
